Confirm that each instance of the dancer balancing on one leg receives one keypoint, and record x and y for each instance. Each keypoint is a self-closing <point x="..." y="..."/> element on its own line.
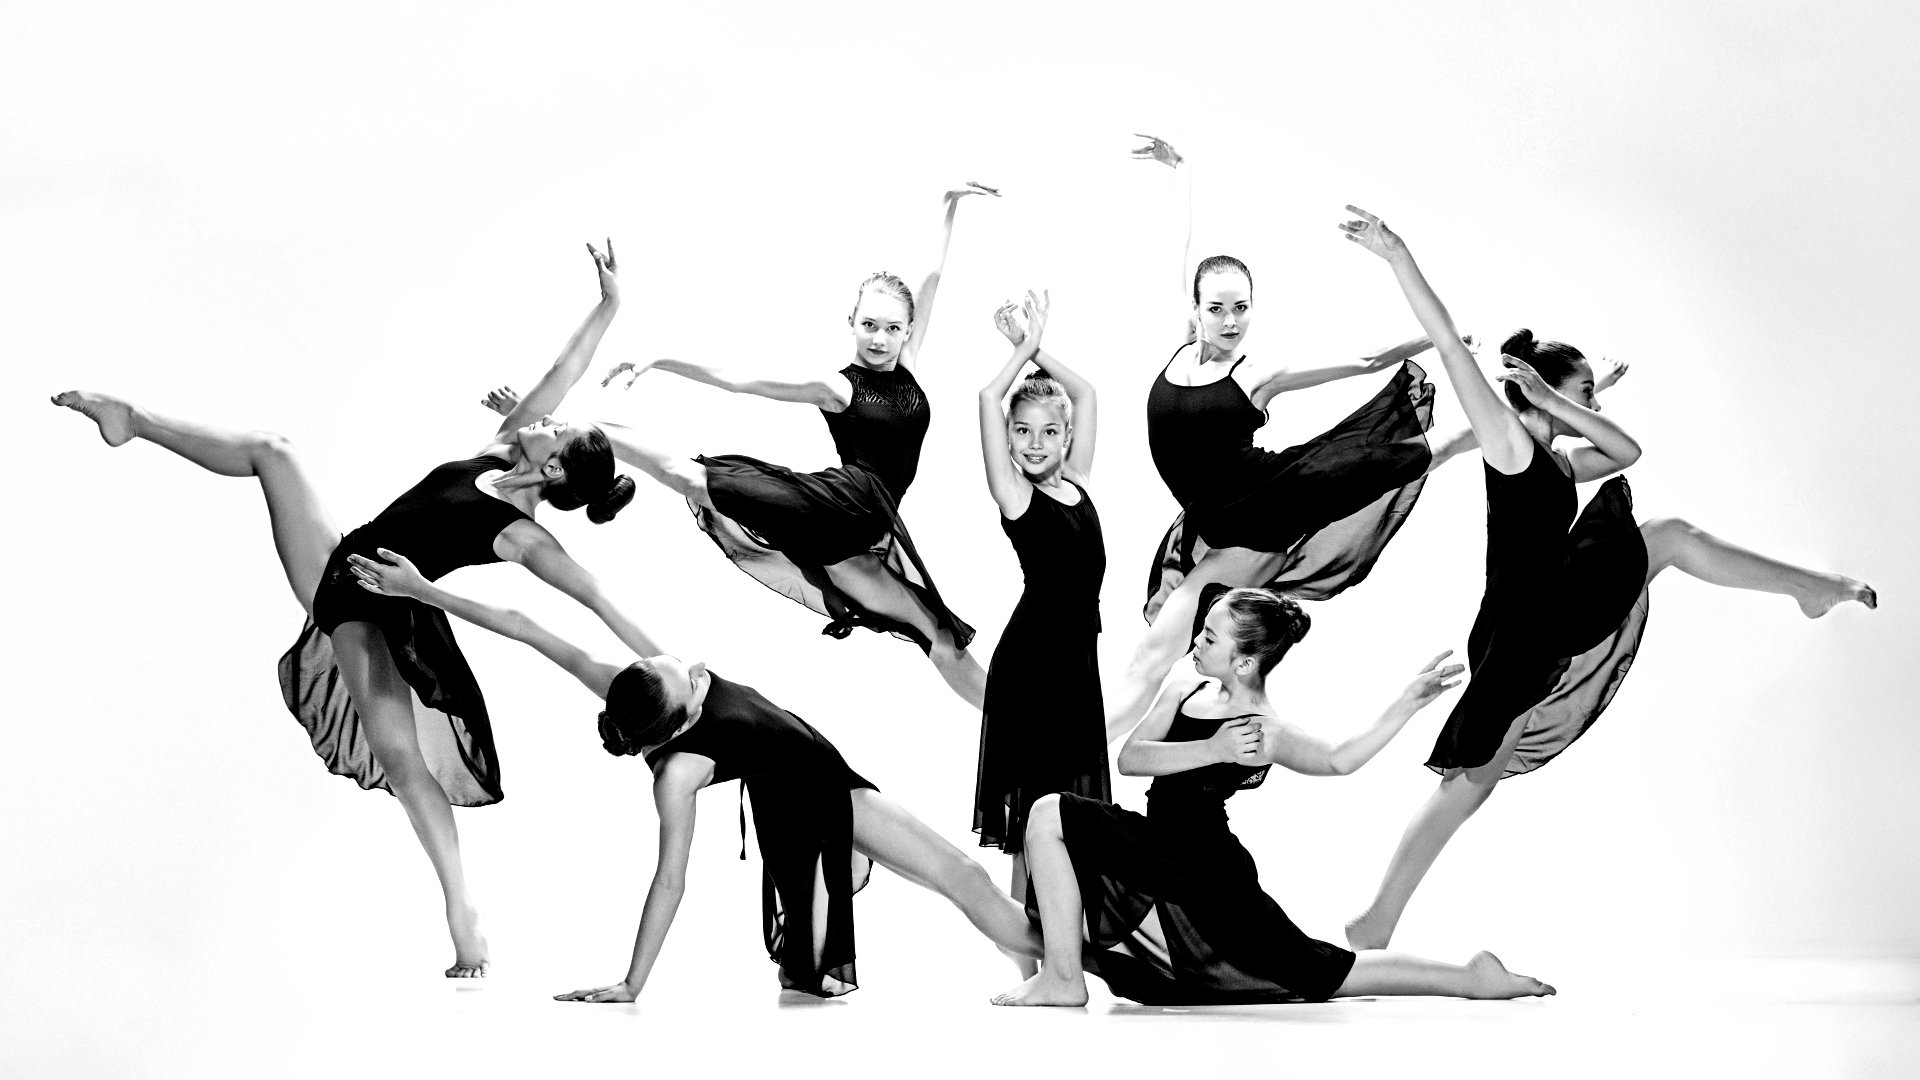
<point x="833" y="540"/>
<point x="1311" y="519"/>
<point x="1042" y="729"/>
<point x="1566" y="599"/>
<point x="351" y="677"/>
<point x="1170" y="903"/>
<point x="820" y="825"/>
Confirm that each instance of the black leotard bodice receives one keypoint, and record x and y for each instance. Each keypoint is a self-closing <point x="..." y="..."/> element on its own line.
<point x="883" y="425"/>
<point x="1204" y="790"/>
<point x="1528" y="515"/>
<point x="1193" y="431"/>
<point x="1063" y="559"/>
<point x="748" y="736"/>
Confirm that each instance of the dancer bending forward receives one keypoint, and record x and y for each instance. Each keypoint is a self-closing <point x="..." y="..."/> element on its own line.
<point x="1170" y="904"/>
<point x="347" y="679"/>
<point x="820" y="824"/>
<point x="1566" y="599"/>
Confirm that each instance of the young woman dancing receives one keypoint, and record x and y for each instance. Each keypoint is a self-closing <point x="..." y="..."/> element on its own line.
<point x="1311" y="519"/>
<point x="1566" y="599"/>
<point x="1042" y="729"/>
<point x="347" y="678"/>
<point x="820" y="824"/>
<point x="1170" y="903"/>
<point x="833" y="540"/>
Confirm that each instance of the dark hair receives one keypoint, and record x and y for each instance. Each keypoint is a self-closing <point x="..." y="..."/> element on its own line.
<point x="1042" y="388"/>
<point x="1265" y="624"/>
<point x="591" y="481"/>
<point x="638" y="713"/>
<point x="887" y="284"/>
<point x="1554" y="361"/>
<point x="1220" y="264"/>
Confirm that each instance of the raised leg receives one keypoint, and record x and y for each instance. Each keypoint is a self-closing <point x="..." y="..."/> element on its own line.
<point x="1380" y="973"/>
<point x="385" y="704"/>
<point x="870" y="585"/>
<point x="685" y="476"/>
<point x="884" y="832"/>
<point x="1694" y="551"/>
<point x="1062" y="980"/>
<point x="303" y="531"/>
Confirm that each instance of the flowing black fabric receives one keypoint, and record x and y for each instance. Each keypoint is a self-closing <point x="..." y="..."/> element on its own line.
<point x="442" y="523"/>
<point x="1328" y="506"/>
<point x="1560" y="621"/>
<point x="1175" y="914"/>
<point x="1042" y="725"/>
<point x="803" y="819"/>
<point x="785" y="528"/>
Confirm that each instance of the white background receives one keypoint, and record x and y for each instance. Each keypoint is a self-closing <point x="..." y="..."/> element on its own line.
<point x="345" y="222"/>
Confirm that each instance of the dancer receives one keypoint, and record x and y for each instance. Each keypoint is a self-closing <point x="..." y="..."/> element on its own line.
<point x="1566" y="599"/>
<point x="1311" y="519"/>
<point x="833" y="540"/>
<point x="1170" y="902"/>
<point x="348" y="676"/>
<point x="1042" y="729"/>
<point x="820" y="825"/>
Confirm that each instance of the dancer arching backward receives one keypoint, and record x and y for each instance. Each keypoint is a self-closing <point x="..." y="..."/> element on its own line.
<point x="1566" y="599"/>
<point x="347" y="678"/>
<point x="819" y="823"/>
<point x="1170" y="902"/>
<point x="1310" y="519"/>
<point x="1042" y="729"/>
<point x="833" y="540"/>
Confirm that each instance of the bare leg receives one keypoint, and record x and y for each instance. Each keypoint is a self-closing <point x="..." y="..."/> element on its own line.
<point x="385" y="704"/>
<point x="1680" y="544"/>
<point x="1380" y="973"/>
<point x="1062" y="981"/>
<point x="873" y="588"/>
<point x="884" y="832"/>
<point x="685" y="476"/>
<point x="1169" y="638"/>
<point x="1017" y="888"/>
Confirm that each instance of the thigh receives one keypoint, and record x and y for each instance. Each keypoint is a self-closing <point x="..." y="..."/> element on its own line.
<point x="304" y="533"/>
<point x="885" y="832"/>
<point x="380" y="694"/>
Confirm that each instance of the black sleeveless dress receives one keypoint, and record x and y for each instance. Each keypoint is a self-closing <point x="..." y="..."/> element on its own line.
<point x="804" y="822"/>
<point x="1042" y="726"/>
<point x="1328" y="505"/>
<point x="785" y="527"/>
<point x="442" y="523"/>
<point x="1174" y="910"/>
<point x="1559" y="623"/>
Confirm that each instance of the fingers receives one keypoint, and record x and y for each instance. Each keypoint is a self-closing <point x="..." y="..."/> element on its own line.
<point x="1431" y="663"/>
<point x="610" y="260"/>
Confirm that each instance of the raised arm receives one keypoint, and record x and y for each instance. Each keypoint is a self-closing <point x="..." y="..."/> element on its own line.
<point x="394" y="575"/>
<point x="1086" y="403"/>
<point x="1011" y="491"/>
<point x="552" y="388"/>
<point x="1286" y="744"/>
<point x="1611" y="449"/>
<point x="930" y="287"/>
<point x="1145" y="754"/>
<point x="534" y="547"/>
<point x="1158" y="149"/>
<point x="1504" y="441"/>
<point x="679" y="780"/>
<point x="1265" y="382"/>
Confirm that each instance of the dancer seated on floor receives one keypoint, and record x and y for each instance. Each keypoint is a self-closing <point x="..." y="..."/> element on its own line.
<point x="1168" y="906"/>
<point x="1566" y="600"/>
<point x="820" y="825"/>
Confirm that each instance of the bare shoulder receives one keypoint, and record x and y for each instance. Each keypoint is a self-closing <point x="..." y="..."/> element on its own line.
<point x="681" y="774"/>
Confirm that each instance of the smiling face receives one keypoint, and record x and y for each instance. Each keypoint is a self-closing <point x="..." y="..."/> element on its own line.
<point x="1215" y="653"/>
<point x="1037" y="437"/>
<point x="880" y="328"/>
<point x="1225" y="309"/>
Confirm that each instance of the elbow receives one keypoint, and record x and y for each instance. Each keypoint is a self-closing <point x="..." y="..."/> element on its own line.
<point x="1342" y="767"/>
<point x="1128" y="765"/>
<point x="1632" y="455"/>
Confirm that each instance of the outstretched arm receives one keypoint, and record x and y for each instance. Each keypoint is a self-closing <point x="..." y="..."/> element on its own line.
<point x="1158" y="149"/>
<point x="552" y="388"/>
<point x="535" y="548"/>
<point x="830" y="392"/>
<point x="930" y="287"/>
<point x="1284" y="743"/>
<point x="1266" y="383"/>
<point x="1010" y="490"/>
<point x="395" y="575"/>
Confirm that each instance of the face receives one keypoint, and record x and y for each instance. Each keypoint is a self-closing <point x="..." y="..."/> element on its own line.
<point x="1214" y="653"/>
<point x="880" y="328"/>
<point x="1225" y="309"/>
<point x="1577" y="387"/>
<point x="541" y="442"/>
<point x="1037" y="437"/>
<point x="685" y="683"/>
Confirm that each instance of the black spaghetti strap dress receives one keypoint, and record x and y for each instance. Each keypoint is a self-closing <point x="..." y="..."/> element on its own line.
<point x="1329" y="505"/>
<point x="785" y="527"/>
<point x="442" y="523"/>
<point x="1042" y="725"/>
<point x="803" y="820"/>
<point x="1174" y="910"/>
<point x="1560" y="621"/>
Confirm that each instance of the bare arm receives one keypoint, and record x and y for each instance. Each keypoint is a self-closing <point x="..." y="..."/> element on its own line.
<point x="552" y="388"/>
<point x="1146" y="755"/>
<point x="1286" y="744"/>
<point x="535" y="548"/>
<point x="1011" y="491"/>
<point x="1612" y="448"/>
<point x="831" y="391"/>
<point x="930" y="287"/>
<point x="1265" y="383"/>
<point x="1160" y="150"/>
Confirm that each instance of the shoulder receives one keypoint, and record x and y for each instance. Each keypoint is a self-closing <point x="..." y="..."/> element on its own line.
<point x="523" y="537"/>
<point x="680" y="773"/>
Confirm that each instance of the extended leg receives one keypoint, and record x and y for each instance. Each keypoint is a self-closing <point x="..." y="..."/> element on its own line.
<point x="884" y="832"/>
<point x="1380" y="973"/>
<point x="1171" y="634"/>
<point x="685" y="476"/>
<point x="870" y="585"/>
<point x="1062" y="981"/>
<point x="1686" y="547"/>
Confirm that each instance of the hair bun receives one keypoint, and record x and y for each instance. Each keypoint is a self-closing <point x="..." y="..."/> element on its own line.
<point x="1519" y="344"/>
<point x="614" y="739"/>
<point x="603" y="509"/>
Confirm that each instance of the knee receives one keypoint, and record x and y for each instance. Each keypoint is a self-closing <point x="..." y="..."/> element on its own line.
<point x="1043" y="819"/>
<point x="1671" y="529"/>
<point x="1468" y="791"/>
<point x="270" y="446"/>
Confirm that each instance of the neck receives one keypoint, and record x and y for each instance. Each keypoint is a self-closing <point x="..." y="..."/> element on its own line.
<point x="1539" y="425"/>
<point x="1210" y="352"/>
<point x="1245" y="695"/>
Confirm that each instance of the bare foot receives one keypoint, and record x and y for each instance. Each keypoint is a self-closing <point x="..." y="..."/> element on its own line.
<point x="1491" y="979"/>
<point x="469" y="946"/>
<point x="1043" y="989"/>
<point x="114" y="416"/>
<point x="1367" y="931"/>
<point x="1843" y="590"/>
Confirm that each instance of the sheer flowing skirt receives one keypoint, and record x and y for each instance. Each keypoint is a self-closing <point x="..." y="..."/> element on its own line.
<point x="803" y="822"/>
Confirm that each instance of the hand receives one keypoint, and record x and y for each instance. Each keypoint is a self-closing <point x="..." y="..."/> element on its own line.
<point x="1008" y="325"/>
<point x="617" y="992"/>
<point x="1521" y="374"/>
<point x="1372" y="233"/>
<point x="1432" y="682"/>
<point x="1616" y="370"/>
<point x="609" y="272"/>
<point x="628" y="368"/>
<point x="502" y="400"/>
<point x="973" y="187"/>
<point x="1157" y="149"/>
<point x="394" y="576"/>
<point x="1035" y="308"/>
<point x="1237" y="741"/>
